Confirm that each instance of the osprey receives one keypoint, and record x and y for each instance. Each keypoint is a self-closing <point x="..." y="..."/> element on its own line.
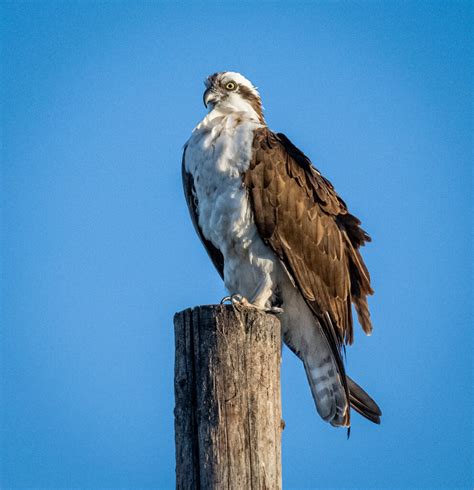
<point x="280" y="237"/>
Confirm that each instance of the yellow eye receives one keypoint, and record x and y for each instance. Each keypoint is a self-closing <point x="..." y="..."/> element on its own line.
<point x="230" y="86"/>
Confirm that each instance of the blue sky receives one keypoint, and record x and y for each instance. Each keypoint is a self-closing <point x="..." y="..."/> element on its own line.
<point x="98" y="251"/>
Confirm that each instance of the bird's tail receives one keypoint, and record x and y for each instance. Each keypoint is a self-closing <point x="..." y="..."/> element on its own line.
<point x="362" y="403"/>
<point x="330" y="398"/>
<point x="334" y="393"/>
<point x="327" y="390"/>
<point x="326" y="377"/>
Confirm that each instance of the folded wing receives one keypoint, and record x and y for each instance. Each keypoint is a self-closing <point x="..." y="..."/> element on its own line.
<point x="300" y="216"/>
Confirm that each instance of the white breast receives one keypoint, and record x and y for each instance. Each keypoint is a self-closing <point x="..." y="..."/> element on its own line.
<point x="217" y="155"/>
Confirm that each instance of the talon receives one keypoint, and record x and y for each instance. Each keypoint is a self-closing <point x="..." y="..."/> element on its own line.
<point x="240" y="300"/>
<point x="237" y="301"/>
<point x="236" y="298"/>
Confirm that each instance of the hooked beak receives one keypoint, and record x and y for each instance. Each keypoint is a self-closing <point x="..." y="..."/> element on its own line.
<point x="209" y="97"/>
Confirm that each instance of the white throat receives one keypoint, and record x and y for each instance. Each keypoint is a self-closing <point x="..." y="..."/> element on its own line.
<point x="222" y="118"/>
<point x="237" y="106"/>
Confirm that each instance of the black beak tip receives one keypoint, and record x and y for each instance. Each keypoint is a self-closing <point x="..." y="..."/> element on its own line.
<point x="205" y="97"/>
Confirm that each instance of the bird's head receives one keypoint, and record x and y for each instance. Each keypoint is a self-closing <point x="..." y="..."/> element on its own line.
<point x="229" y="91"/>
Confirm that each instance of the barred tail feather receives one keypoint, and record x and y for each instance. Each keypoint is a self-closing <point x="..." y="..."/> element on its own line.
<point x="327" y="390"/>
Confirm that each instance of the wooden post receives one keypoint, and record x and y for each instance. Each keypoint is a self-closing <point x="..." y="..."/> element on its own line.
<point x="228" y="406"/>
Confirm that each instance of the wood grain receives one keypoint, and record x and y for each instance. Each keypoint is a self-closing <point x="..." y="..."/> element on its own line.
<point x="228" y="405"/>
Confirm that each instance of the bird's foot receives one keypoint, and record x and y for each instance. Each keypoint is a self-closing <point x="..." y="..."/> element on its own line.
<point x="239" y="302"/>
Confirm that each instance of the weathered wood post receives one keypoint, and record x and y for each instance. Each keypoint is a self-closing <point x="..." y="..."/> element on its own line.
<point x="228" y="405"/>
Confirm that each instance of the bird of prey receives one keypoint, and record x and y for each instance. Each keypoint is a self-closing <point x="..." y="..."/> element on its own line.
<point x="280" y="237"/>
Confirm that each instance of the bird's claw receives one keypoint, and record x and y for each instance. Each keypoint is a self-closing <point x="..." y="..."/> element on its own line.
<point x="239" y="301"/>
<point x="236" y="300"/>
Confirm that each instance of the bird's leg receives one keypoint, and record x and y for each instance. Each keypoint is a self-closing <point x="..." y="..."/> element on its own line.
<point x="263" y="295"/>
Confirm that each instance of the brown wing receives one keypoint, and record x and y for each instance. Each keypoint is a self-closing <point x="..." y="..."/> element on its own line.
<point x="188" y="186"/>
<point x="299" y="214"/>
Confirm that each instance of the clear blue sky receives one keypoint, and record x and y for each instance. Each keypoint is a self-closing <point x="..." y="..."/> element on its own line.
<point x="98" y="251"/>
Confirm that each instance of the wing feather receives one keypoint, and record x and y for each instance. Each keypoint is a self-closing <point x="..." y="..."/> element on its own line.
<point x="300" y="216"/>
